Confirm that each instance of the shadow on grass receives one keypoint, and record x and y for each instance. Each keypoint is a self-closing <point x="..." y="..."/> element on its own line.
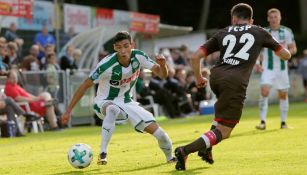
<point x="98" y="171"/>
<point x="79" y="172"/>
<point x="254" y="132"/>
<point x="198" y="170"/>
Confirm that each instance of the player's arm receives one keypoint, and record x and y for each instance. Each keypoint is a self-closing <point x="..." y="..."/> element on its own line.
<point x="160" y="69"/>
<point x="279" y="50"/>
<point x="75" y="99"/>
<point x="292" y="48"/>
<point x="258" y="65"/>
<point x="283" y="53"/>
<point x="196" y="57"/>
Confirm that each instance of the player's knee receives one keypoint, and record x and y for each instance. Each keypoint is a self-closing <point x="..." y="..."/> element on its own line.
<point x="282" y="95"/>
<point x="112" y="110"/>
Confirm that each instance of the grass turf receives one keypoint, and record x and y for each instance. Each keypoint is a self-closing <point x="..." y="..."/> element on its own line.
<point x="248" y="151"/>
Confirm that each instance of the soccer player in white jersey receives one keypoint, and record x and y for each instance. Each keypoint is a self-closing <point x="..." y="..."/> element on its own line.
<point x="274" y="70"/>
<point x="116" y="75"/>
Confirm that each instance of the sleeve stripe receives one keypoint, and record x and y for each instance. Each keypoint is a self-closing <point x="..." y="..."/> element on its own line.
<point x="204" y="49"/>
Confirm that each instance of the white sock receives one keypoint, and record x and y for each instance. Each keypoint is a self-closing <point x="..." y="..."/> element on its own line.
<point x="164" y="142"/>
<point x="263" y="107"/>
<point x="283" y="107"/>
<point x="108" y="126"/>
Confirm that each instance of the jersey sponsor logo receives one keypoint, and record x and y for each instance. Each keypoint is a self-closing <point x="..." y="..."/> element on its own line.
<point x="231" y="61"/>
<point x="126" y="80"/>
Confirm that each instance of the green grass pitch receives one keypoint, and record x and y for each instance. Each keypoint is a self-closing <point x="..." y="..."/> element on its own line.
<point x="248" y="151"/>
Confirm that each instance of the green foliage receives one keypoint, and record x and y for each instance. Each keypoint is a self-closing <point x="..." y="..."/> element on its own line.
<point x="248" y="151"/>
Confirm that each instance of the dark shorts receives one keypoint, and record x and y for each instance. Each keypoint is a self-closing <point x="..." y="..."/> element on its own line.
<point x="230" y="100"/>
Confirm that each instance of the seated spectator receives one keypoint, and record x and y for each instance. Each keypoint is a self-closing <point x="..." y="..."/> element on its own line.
<point x="76" y="57"/>
<point x="9" y="107"/>
<point x="3" y="65"/>
<point x="197" y="94"/>
<point x="66" y="61"/>
<point x="48" y="49"/>
<point x="42" y="104"/>
<point x="13" y="58"/>
<point x="11" y="36"/>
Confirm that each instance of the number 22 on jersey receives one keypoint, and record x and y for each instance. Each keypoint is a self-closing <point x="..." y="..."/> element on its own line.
<point x="230" y="41"/>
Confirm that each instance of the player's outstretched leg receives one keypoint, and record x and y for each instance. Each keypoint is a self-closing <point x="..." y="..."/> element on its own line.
<point x="108" y="126"/>
<point x="206" y="154"/>
<point x="163" y="139"/>
<point x="207" y="140"/>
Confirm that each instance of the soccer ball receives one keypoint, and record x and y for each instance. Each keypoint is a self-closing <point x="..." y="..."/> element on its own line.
<point x="80" y="155"/>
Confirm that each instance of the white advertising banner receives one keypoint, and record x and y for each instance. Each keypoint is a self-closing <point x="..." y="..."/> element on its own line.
<point x="77" y="17"/>
<point x="5" y="21"/>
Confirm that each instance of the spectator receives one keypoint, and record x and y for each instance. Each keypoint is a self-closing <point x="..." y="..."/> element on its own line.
<point x="52" y="75"/>
<point x="68" y="36"/>
<point x="13" y="58"/>
<point x="48" y="49"/>
<point x="9" y="107"/>
<point x="76" y="57"/>
<point x="42" y="104"/>
<point x="3" y="65"/>
<point x="302" y="68"/>
<point x="11" y="36"/>
<point x="66" y="61"/>
<point x="42" y="39"/>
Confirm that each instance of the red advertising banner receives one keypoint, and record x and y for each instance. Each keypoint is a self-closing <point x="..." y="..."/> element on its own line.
<point x="104" y="17"/>
<point x="19" y="8"/>
<point x="144" y="23"/>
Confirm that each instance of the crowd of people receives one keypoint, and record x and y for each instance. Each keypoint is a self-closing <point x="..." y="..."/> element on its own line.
<point x="37" y="89"/>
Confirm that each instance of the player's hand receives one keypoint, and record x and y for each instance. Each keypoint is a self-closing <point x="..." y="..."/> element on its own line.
<point x="65" y="118"/>
<point x="258" y="68"/>
<point x="160" y="59"/>
<point x="201" y="82"/>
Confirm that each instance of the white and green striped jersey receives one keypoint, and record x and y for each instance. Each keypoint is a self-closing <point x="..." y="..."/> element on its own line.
<point x="271" y="61"/>
<point x="116" y="81"/>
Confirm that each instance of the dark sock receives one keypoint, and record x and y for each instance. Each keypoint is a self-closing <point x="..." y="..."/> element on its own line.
<point x="283" y="123"/>
<point x="197" y="145"/>
<point x="262" y="122"/>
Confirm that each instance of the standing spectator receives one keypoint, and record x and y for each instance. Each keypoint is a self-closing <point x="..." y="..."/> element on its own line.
<point x="302" y="68"/>
<point x="275" y="71"/>
<point x="68" y="36"/>
<point x="42" y="39"/>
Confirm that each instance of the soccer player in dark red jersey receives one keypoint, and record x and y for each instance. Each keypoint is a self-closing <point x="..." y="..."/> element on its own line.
<point x="239" y="45"/>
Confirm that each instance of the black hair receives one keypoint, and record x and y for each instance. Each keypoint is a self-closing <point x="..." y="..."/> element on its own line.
<point x="242" y="11"/>
<point x="122" y="35"/>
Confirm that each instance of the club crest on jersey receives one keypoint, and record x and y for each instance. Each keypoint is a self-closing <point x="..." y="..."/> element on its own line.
<point x="135" y="65"/>
<point x="126" y="80"/>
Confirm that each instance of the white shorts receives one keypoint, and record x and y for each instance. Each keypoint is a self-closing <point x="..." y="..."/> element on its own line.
<point x="278" y="79"/>
<point x="137" y="115"/>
